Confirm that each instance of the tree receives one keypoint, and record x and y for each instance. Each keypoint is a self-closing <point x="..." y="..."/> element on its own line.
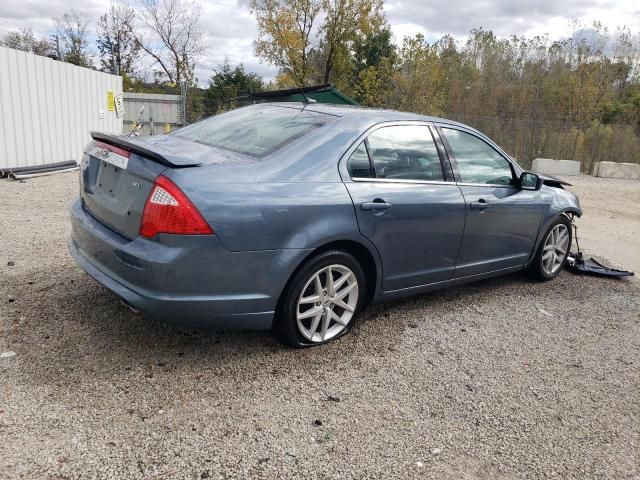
<point x="346" y="21"/>
<point x="176" y="42"/>
<point x="419" y="83"/>
<point x="284" y="35"/>
<point x="116" y="42"/>
<point x="287" y="29"/>
<point x="25" y="40"/>
<point x="72" y="30"/>
<point x="578" y="97"/>
<point x="229" y="82"/>
<point x="375" y="62"/>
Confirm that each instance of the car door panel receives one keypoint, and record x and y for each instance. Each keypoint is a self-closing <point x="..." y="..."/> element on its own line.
<point x="404" y="205"/>
<point x="502" y="219"/>
<point x="418" y="236"/>
<point x="500" y="235"/>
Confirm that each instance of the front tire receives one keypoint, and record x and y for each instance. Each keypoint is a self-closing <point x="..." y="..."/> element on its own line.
<point x="321" y="301"/>
<point x="553" y="250"/>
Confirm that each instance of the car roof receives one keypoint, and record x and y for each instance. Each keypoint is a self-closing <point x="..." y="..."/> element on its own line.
<point x="368" y="114"/>
<point x="365" y="117"/>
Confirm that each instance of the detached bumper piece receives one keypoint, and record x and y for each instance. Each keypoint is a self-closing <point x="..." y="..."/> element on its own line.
<point x="576" y="263"/>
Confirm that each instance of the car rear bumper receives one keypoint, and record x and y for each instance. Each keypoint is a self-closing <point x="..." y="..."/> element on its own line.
<point x="187" y="280"/>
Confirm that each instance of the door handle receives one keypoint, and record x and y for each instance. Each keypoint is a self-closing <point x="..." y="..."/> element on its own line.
<point x="481" y="204"/>
<point x="378" y="205"/>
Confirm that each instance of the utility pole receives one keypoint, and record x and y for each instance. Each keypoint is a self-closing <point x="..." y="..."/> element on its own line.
<point x="183" y="94"/>
<point x="55" y="37"/>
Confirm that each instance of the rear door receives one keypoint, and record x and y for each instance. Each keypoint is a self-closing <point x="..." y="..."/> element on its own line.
<point x="502" y="219"/>
<point x="405" y="205"/>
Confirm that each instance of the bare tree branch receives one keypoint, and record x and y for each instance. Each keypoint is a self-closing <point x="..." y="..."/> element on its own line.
<point x="172" y="36"/>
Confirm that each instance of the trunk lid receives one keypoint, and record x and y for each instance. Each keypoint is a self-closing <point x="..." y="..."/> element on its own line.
<point x="115" y="184"/>
<point x="117" y="173"/>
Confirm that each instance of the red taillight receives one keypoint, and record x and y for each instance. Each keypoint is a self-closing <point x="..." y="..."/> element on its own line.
<point x="168" y="210"/>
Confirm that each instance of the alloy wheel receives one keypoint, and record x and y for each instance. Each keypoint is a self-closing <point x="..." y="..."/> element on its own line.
<point x="327" y="303"/>
<point x="555" y="249"/>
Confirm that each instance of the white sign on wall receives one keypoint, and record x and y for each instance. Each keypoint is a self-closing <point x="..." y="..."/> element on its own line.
<point x="119" y="104"/>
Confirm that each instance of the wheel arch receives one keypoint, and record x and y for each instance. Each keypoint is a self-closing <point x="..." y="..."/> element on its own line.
<point x="366" y="255"/>
<point x="546" y="224"/>
<point x="571" y="211"/>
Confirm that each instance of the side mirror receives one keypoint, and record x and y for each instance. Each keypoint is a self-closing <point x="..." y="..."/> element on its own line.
<point x="530" y="181"/>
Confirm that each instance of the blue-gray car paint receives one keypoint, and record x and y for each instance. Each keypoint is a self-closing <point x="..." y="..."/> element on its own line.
<point x="270" y="214"/>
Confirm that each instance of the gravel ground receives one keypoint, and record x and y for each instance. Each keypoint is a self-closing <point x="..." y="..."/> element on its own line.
<point x="506" y="378"/>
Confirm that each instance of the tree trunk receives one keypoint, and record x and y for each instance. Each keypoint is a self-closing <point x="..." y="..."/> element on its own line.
<point x="328" y="66"/>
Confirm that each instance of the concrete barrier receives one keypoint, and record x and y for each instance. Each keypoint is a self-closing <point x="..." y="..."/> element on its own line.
<point x="555" y="167"/>
<point x="628" y="171"/>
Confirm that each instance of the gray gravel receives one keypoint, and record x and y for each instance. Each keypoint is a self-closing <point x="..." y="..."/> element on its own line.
<point x="505" y="379"/>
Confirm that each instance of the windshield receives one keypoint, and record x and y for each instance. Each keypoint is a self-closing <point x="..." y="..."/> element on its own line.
<point x="256" y="131"/>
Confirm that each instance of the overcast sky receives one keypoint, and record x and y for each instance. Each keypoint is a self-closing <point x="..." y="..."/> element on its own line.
<point x="230" y="28"/>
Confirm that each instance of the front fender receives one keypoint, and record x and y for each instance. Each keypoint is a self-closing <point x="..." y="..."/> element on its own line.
<point x="555" y="202"/>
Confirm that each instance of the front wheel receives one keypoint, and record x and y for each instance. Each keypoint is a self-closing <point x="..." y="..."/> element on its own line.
<point x="553" y="250"/>
<point x="321" y="300"/>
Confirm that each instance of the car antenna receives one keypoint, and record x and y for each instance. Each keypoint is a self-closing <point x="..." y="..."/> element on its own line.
<point x="307" y="100"/>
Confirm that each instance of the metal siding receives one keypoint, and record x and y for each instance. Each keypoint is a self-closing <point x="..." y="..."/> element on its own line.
<point x="164" y="109"/>
<point x="48" y="108"/>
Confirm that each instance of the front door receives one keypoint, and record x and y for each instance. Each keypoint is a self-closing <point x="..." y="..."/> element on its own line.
<point x="405" y="207"/>
<point x="502" y="219"/>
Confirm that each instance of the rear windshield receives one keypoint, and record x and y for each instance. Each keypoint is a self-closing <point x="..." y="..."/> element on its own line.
<point x="256" y="131"/>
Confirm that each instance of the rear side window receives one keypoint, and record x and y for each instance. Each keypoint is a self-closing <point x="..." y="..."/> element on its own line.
<point x="358" y="163"/>
<point x="476" y="160"/>
<point x="405" y="152"/>
<point x="255" y="131"/>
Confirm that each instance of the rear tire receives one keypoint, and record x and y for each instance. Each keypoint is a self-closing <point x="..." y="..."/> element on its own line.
<point x="553" y="250"/>
<point x="321" y="301"/>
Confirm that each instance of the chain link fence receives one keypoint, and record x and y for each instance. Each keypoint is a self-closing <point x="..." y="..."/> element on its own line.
<point x="587" y="141"/>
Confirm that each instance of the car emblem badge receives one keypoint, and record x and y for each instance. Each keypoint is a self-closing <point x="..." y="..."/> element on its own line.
<point x="102" y="152"/>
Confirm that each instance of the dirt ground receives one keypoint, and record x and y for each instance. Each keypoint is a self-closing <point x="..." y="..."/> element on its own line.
<point x="610" y="225"/>
<point x="506" y="378"/>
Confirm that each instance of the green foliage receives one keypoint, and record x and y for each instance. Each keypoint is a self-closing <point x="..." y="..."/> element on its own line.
<point x="346" y="21"/>
<point x="230" y="82"/>
<point x="420" y="80"/>
<point x="307" y="53"/>
<point x="574" y="99"/>
<point x="226" y="85"/>
<point x="284" y="40"/>
<point x="374" y="66"/>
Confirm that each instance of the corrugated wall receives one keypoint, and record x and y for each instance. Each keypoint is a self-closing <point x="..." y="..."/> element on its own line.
<point x="163" y="110"/>
<point x="48" y="108"/>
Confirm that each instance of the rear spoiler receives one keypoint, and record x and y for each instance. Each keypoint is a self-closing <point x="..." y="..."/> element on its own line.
<point x="140" y="148"/>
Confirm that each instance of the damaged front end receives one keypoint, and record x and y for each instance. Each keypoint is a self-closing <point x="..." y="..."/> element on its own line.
<point x="576" y="262"/>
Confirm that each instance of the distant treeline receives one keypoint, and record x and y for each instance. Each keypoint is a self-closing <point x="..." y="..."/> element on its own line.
<point x="576" y="98"/>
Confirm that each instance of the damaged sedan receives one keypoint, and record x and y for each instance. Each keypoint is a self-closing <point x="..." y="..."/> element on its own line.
<point x="295" y="216"/>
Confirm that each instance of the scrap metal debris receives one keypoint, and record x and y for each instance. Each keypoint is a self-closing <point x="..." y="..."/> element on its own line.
<point x="577" y="263"/>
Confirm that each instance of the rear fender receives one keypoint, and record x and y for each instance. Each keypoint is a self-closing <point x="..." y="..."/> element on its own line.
<point x="270" y="216"/>
<point x="276" y="216"/>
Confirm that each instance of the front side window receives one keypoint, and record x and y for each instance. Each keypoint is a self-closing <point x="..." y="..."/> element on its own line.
<point x="255" y="131"/>
<point x="477" y="161"/>
<point x="405" y="152"/>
